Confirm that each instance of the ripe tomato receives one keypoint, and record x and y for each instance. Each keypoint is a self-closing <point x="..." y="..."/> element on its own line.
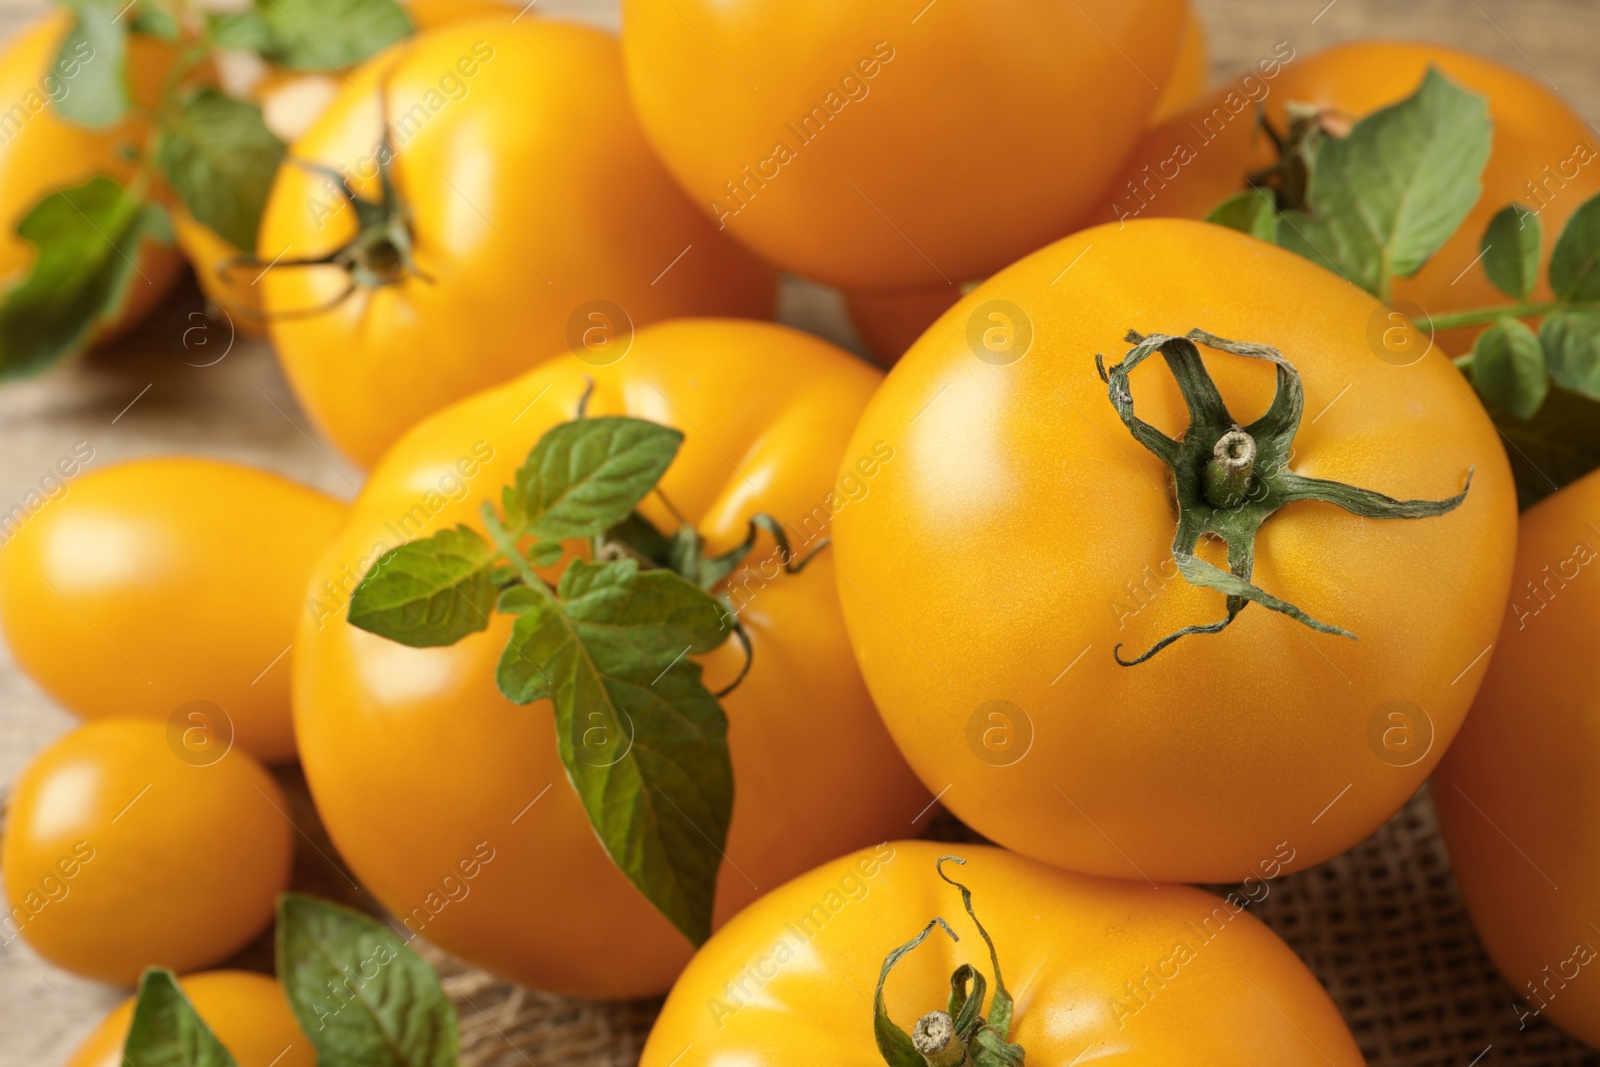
<point x="535" y="212"/>
<point x="1098" y="969"/>
<point x="992" y="577"/>
<point x="896" y="145"/>
<point x="41" y="152"/>
<point x="123" y="850"/>
<point x="1517" y="794"/>
<point x="247" y="1012"/>
<point x="422" y="771"/>
<point x="167" y="589"/>
<point x="1544" y="153"/>
<point x="1187" y="80"/>
<point x="889" y="322"/>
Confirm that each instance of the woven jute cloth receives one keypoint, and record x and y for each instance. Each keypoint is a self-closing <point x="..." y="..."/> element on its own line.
<point x="1382" y="926"/>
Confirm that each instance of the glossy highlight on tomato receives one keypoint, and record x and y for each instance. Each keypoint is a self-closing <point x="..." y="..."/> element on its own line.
<point x="169" y="589"/>
<point x="1517" y="795"/>
<point x="247" y="1013"/>
<point x="994" y="578"/>
<point x="534" y="216"/>
<point x="896" y="145"/>
<point x="120" y="853"/>
<point x="451" y="804"/>
<point x="1101" y="970"/>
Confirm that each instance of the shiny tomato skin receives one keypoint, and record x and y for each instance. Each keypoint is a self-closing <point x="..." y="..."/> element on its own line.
<point x="46" y="152"/>
<point x="158" y="582"/>
<point x="1137" y="973"/>
<point x="247" y="1013"/>
<point x="418" y="765"/>
<point x="896" y="145"/>
<point x="1544" y="155"/>
<point x="1517" y="795"/>
<point x="1028" y="534"/>
<point x="539" y="216"/>
<point x="120" y="855"/>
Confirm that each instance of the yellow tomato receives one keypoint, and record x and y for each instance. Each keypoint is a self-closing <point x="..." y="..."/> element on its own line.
<point x="536" y="214"/>
<point x="40" y="152"/>
<point x="1517" y="794"/>
<point x="1544" y="154"/>
<point x="1101" y="971"/>
<point x="889" y="322"/>
<point x="1188" y="77"/>
<point x="166" y="589"/>
<point x="123" y="850"/>
<point x="995" y="577"/>
<point x="451" y="803"/>
<point x="896" y="145"/>
<point x="247" y="1012"/>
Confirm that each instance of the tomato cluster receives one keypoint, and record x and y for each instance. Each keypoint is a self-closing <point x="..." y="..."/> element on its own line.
<point x="1176" y="547"/>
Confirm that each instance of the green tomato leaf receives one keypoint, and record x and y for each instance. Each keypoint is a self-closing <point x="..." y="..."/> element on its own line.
<point x="585" y="476"/>
<point x="315" y="34"/>
<point x="546" y="553"/>
<point x="87" y="240"/>
<point x="1575" y="260"/>
<point x="1253" y="212"/>
<point x="362" y="997"/>
<point x="429" y="592"/>
<point x="644" y="743"/>
<point x="155" y="19"/>
<point x="1559" y="445"/>
<point x="1386" y="197"/>
<point x="167" y="1031"/>
<point x="1511" y="245"/>
<point x="221" y="158"/>
<point x="239" y="31"/>
<point x="1508" y="368"/>
<point x="96" y="47"/>
<point x="1571" y="341"/>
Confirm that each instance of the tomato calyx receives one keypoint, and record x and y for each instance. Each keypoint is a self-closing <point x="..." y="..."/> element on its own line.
<point x="1228" y="479"/>
<point x="382" y="252"/>
<point x="960" y="1035"/>
<point x="1289" y="178"/>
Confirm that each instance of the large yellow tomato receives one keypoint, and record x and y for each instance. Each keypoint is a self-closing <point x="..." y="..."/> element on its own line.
<point x="167" y="589"/>
<point x="1544" y="154"/>
<point x="994" y="579"/>
<point x="40" y="152"/>
<point x="422" y="771"/>
<point x="896" y="145"/>
<point x="1100" y="970"/>
<point x="125" y="850"/>
<point x="535" y="218"/>
<point x="247" y="1013"/>
<point x="1517" y="795"/>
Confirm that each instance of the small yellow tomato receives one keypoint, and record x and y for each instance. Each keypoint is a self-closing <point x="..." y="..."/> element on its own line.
<point x="167" y="589"/>
<point x="247" y="1013"/>
<point x="123" y="850"/>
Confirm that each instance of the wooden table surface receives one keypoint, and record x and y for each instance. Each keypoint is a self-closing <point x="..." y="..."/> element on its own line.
<point x="154" y="394"/>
